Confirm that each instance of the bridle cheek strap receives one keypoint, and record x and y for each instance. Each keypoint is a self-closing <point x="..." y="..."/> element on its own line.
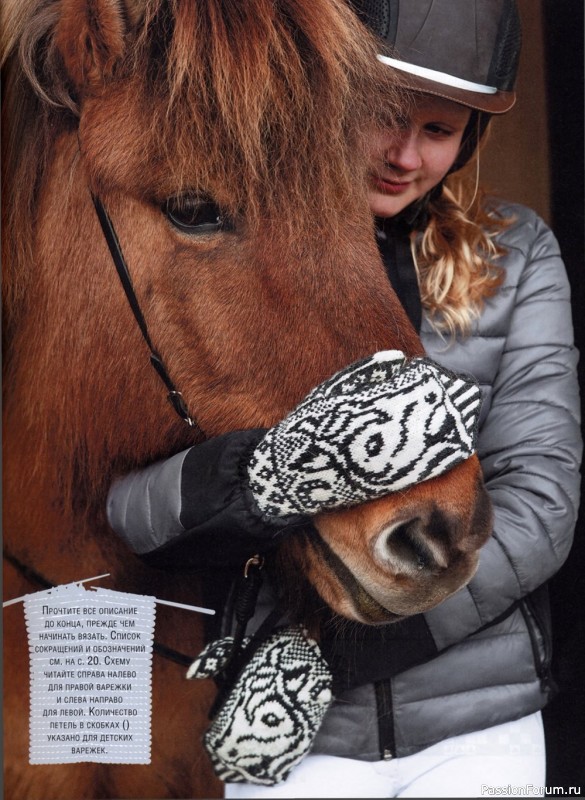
<point x="174" y="396"/>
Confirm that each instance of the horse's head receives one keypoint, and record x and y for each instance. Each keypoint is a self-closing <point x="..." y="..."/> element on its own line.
<point x="225" y="140"/>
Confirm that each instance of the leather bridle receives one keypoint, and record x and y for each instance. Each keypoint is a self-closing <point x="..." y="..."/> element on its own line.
<point x="174" y="396"/>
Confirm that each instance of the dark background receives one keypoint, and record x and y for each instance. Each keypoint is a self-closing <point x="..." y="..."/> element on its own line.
<point x="534" y="155"/>
<point x="563" y="51"/>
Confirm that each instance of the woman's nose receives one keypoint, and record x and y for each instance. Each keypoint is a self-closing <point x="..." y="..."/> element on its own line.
<point x="403" y="151"/>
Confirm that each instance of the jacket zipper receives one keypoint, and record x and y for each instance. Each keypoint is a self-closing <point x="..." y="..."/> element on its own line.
<point x="541" y="644"/>
<point x="384" y="709"/>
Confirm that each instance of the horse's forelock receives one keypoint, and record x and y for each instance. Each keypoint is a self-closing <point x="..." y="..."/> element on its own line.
<point x="241" y="92"/>
<point x="237" y="95"/>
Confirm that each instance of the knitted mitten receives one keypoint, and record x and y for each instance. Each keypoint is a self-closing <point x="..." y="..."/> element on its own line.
<point x="267" y="723"/>
<point x="380" y="425"/>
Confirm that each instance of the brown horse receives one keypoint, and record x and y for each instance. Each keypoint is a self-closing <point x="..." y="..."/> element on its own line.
<point x="251" y="115"/>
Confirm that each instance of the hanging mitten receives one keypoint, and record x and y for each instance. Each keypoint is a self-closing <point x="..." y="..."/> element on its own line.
<point x="268" y="721"/>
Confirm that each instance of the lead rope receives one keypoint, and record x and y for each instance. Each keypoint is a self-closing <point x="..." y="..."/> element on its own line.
<point x="247" y="591"/>
<point x="174" y="396"/>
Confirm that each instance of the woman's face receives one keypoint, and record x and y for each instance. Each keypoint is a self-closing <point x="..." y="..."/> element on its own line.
<point x="407" y="163"/>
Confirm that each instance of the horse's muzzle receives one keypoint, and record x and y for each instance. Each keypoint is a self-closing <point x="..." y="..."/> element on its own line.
<point x="403" y="554"/>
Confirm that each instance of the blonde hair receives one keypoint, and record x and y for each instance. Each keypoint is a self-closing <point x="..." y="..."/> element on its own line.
<point x="456" y="255"/>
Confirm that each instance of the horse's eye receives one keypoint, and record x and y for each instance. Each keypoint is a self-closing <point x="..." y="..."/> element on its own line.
<point x="194" y="214"/>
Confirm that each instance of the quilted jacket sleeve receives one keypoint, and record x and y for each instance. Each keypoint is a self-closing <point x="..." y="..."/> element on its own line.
<point x="196" y="508"/>
<point x="530" y="442"/>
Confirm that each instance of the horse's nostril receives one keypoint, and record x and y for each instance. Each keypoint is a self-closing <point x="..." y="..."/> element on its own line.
<point x="409" y="548"/>
<point x="405" y="542"/>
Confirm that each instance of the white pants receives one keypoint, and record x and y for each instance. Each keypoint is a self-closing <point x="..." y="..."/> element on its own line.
<point x="504" y="761"/>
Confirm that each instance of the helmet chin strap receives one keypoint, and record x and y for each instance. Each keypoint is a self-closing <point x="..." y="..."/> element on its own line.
<point x="472" y="136"/>
<point x="476" y="183"/>
<point x="475" y="130"/>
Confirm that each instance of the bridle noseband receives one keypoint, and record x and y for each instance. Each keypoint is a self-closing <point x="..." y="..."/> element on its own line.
<point x="174" y="396"/>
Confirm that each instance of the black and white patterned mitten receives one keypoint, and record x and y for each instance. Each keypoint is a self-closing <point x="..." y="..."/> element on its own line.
<point x="378" y="426"/>
<point x="268" y="721"/>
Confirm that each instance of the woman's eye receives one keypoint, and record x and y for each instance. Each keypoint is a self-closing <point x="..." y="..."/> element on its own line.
<point x="193" y="214"/>
<point x="439" y="130"/>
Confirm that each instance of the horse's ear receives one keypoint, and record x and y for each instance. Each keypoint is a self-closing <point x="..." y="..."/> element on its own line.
<point x="90" y="36"/>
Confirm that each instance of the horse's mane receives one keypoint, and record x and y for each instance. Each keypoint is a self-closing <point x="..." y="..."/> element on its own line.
<point x="238" y="89"/>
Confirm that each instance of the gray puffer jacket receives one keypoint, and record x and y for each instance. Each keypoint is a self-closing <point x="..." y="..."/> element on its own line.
<point x="493" y="636"/>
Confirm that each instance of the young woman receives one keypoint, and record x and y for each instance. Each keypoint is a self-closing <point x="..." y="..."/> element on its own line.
<point x="445" y="704"/>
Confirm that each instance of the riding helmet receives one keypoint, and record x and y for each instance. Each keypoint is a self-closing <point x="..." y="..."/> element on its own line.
<point x="464" y="50"/>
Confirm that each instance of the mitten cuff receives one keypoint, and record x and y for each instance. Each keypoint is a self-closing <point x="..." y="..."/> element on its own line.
<point x="196" y="507"/>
